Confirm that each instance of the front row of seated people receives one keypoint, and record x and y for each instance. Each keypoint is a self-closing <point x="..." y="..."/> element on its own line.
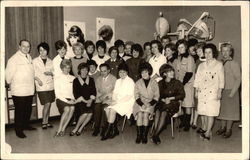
<point x="108" y="97"/>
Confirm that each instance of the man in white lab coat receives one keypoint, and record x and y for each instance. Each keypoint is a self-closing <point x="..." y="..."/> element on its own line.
<point x="19" y="75"/>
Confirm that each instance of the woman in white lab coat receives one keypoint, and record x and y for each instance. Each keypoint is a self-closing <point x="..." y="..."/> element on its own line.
<point x="209" y="82"/>
<point x="43" y="67"/>
<point x="122" y="99"/>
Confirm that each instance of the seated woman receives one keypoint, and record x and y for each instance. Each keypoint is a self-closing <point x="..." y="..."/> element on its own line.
<point x="65" y="100"/>
<point x="122" y="99"/>
<point x="83" y="89"/>
<point x="146" y="95"/>
<point x="171" y="92"/>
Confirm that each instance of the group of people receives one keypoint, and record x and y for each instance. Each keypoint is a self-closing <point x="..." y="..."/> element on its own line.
<point x="145" y="84"/>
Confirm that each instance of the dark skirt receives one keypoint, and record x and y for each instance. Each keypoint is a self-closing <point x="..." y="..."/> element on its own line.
<point x="171" y="108"/>
<point x="230" y="107"/>
<point x="46" y="97"/>
<point x="81" y="108"/>
<point x="61" y="105"/>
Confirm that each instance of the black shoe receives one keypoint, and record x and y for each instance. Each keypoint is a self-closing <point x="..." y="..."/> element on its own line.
<point x="182" y="124"/>
<point x="200" y="131"/>
<point x="221" y="131"/>
<point x="20" y="134"/>
<point x="72" y="133"/>
<point x="187" y="118"/>
<point x="145" y="135"/>
<point x="158" y="140"/>
<point x="44" y="126"/>
<point x="96" y="132"/>
<point x="49" y="125"/>
<point x="78" y="133"/>
<point x="155" y="140"/>
<point x="29" y="128"/>
<point x="227" y="134"/>
<point x="107" y="133"/>
<point x="139" y="130"/>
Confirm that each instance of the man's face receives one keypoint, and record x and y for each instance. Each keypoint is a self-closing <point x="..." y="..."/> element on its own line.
<point x="24" y="47"/>
<point x="104" y="71"/>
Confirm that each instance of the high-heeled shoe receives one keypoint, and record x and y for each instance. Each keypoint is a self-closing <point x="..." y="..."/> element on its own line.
<point x="205" y="137"/>
<point x="49" y="125"/>
<point x="227" y="134"/>
<point x="61" y="133"/>
<point x="194" y="126"/>
<point x="221" y="131"/>
<point x="57" y="134"/>
<point x="44" y="126"/>
<point x="200" y="131"/>
<point x="72" y="133"/>
<point x="78" y="133"/>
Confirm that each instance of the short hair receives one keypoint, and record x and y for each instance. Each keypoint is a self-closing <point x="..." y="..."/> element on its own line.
<point x="60" y="44"/>
<point x="171" y="46"/>
<point x="182" y="41"/>
<point x="230" y="46"/>
<point x="44" y="45"/>
<point x="101" y="43"/>
<point x="119" y="43"/>
<point x="160" y="47"/>
<point x="137" y="47"/>
<point x="113" y="48"/>
<point x="213" y="48"/>
<point x="129" y="43"/>
<point x="82" y="66"/>
<point x="165" y="68"/>
<point x="166" y="37"/>
<point x="78" y="44"/>
<point x="65" y="62"/>
<point x="104" y="65"/>
<point x="146" y="44"/>
<point x="192" y="42"/>
<point x="146" y="66"/>
<point x="123" y="66"/>
<point x="24" y="40"/>
<point x="92" y="62"/>
<point x="89" y="43"/>
<point x="200" y="45"/>
<point x="75" y="31"/>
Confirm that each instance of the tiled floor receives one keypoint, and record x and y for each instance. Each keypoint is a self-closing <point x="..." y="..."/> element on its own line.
<point x="42" y="141"/>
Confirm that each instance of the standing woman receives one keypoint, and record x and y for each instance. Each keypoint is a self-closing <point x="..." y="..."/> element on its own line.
<point x="122" y="99"/>
<point x="157" y="60"/>
<point x="230" y="109"/>
<point x="65" y="100"/>
<point x="43" y="67"/>
<point x="134" y="62"/>
<point x="171" y="92"/>
<point x="209" y="82"/>
<point x="185" y="69"/>
<point x="84" y="89"/>
<point x="146" y="96"/>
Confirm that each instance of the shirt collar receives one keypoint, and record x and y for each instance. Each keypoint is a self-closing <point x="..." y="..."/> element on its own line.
<point x="82" y="81"/>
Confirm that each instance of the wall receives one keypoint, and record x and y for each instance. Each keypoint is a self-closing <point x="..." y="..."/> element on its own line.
<point x="138" y="23"/>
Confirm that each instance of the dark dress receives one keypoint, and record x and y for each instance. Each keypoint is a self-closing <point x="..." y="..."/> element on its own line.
<point x="85" y="90"/>
<point x="174" y="88"/>
<point x="114" y="66"/>
<point x="133" y="67"/>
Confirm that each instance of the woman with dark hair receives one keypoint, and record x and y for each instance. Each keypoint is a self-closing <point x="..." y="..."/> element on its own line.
<point x="101" y="55"/>
<point x="90" y="49"/>
<point x="171" y="92"/>
<point x="119" y="44"/>
<point x="209" y="82"/>
<point x="146" y="96"/>
<point x="114" y="61"/>
<point x="134" y="62"/>
<point x="43" y="67"/>
<point x="61" y="49"/>
<point x="75" y="35"/>
<point x="230" y="105"/>
<point x="147" y="51"/>
<point x="171" y="54"/>
<point x="122" y="99"/>
<point x="65" y="99"/>
<point x="157" y="60"/>
<point x="191" y="48"/>
<point x="93" y="72"/>
<point x="185" y="69"/>
<point x="84" y="89"/>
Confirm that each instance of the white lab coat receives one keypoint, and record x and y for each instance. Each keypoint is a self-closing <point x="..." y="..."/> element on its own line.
<point x="209" y="79"/>
<point x="56" y="64"/>
<point x="123" y="96"/>
<point x="40" y="68"/>
<point x="19" y="74"/>
<point x="156" y="63"/>
<point x="99" y="60"/>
